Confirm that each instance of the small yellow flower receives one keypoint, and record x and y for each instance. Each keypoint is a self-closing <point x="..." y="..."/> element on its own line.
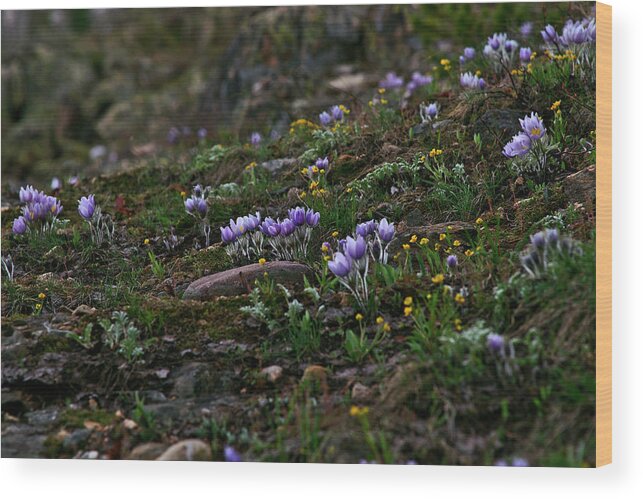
<point x="437" y="246"/>
<point x="449" y="227"/>
<point x="422" y="159"/>
<point x="324" y="248"/>
<point x="322" y="171"/>
<point x="315" y="169"/>
<point x="335" y="233"/>
<point x="262" y="261"/>
<point x="250" y="166"/>
<point x="456" y="243"/>
<point x="428" y="296"/>
<point x="478" y="248"/>
<point x="479" y="221"/>
<point x="469" y="253"/>
<point x="42" y="296"/>
<point x="313" y="185"/>
<point x="38" y="306"/>
<point x="414" y="239"/>
<point x="358" y="411"/>
<point x="458" y="324"/>
<point x="406" y="247"/>
<point x="384" y="101"/>
<point x="424" y="241"/>
<point x="184" y="194"/>
<point x="445" y="62"/>
<point x="349" y="189"/>
<point x="396" y="256"/>
<point x="443" y="236"/>
<point x="555" y="105"/>
<point x="448" y="251"/>
<point x="327" y="258"/>
<point x="304" y="171"/>
<point x="459" y="299"/>
<point x="386" y="327"/>
<point x="408" y="301"/>
<point x="381" y="90"/>
<point x="359" y="317"/>
<point x="435" y="152"/>
<point x="302" y="194"/>
<point x="437" y="279"/>
<point x="408" y="311"/>
<point x="380" y="320"/>
<point x="146" y="241"/>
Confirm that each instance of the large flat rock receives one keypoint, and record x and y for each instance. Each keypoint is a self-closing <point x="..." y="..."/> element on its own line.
<point x="241" y="280"/>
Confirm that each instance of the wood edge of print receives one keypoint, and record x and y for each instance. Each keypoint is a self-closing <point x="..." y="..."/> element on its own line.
<point x="603" y="234"/>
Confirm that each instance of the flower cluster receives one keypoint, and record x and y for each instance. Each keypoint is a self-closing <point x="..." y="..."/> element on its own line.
<point x="532" y="131"/>
<point x="39" y="212"/>
<point x="350" y="262"/>
<point x="100" y="225"/>
<point x="418" y="80"/>
<point x="468" y="54"/>
<point x="334" y="115"/>
<point x="288" y="239"/>
<point x="391" y="81"/>
<point x="316" y="174"/>
<point x="197" y="206"/>
<point x="544" y="247"/>
<point x="472" y="81"/>
<point x="574" y="33"/>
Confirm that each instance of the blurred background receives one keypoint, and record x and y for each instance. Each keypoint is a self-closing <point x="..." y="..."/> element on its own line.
<point x="85" y="91"/>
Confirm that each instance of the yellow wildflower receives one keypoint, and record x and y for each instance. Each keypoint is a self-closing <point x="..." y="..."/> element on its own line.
<point x="435" y="152"/>
<point x="42" y="296"/>
<point x="315" y="169"/>
<point x="408" y="311"/>
<point x="302" y="194"/>
<point x="437" y="279"/>
<point x="146" y="241"/>
<point x="349" y="189"/>
<point x="262" y="261"/>
<point x="408" y="300"/>
<point x="437" y="246"/>
<point x="424" y="241"/>
<point x="358" y="411"/>
<point x="304" y="171"/>
<point x="324" y="248"/>
<point x="458" y="324"/>
<point x="443" y="236"/>
<point x="479" y="221"/>
<point x="459" y="299"/>
<point x="38" y="306"/>
<point x="184" y="194"/>
<point x="456" y="243"/>
<point x="380" y="320"/>
<point x="335" y="233"/>
<point x="406" y="247"/>
<point x="358" y="316"/>
<point x="428" y="296"/>
<point x="381" y="90"/>
<point x="414" y="238"/>
<point x="386" y="327"/>
<point x="469" y="253"/>
<point x="555" y="105"/>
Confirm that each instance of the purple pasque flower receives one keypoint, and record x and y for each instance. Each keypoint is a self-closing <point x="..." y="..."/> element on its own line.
<point x="51" y="206"/>
<point x="391" y="81"/>
<point x="469" y="80"/>
<point x="312" y="218"/>
<point x="201" y="133"/>
<point x="386" y="230"/>
<point x="430" y="112"/>
<point x="255" y="139"/>
<point x="418" y="80"/>
<point x="469" y="53"/>
<point x="340" y="265"/>
<point x="27" y="194"/>
<point x="355" y="248"/>
<point x="297" y="215"/>
<point x="497" y="40"/>
<point x="287" y="227"/>
<point x="574" y="33"/>
<point x="173" y="135"/>
<point x="510" y="46"/>
<point x="322" y="163"/>
<point x="452" y="261"/>
<point x="231" y="455"/>
<point x="549" y="34"/>
<point x="87" y="206"/>
<point x="495" y="342"/>
<point x="268" y="227"/>
<point x="227" y="235"/>
<point x="56" y="184"/>
<point x="551" y="236"/>
<point x="366" y="229"/>
<point x="74" y="180"/>
<point x="526" y="28"/>
<point x="196" y="205"/>
<point x="337" y="113"/>
<point x="533" y="126"/>
<point x="518" y="146"/>
<point x="19" y="225"/>
<point x="341" y="244"/>
<point x="325" y="119"/>
<point x="525" y="54"/>
<point x="538" y="240"/>
<point x="519" y="462"/>
<point x="237" y="226"/>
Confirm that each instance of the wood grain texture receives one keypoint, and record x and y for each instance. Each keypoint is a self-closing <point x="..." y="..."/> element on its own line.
<point x="603" y="234"/>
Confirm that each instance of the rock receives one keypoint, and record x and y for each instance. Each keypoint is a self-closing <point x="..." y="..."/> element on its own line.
<point x="240" y="280"/>
<point x="187" y="450"/>
<point x="76" y="439"/>
<point x="83" y="310"/>
<point x="348" y="83"/>
<point x="360" y="393"/>
<point x="276" y="165"/>
<point x="43" y="417"/>
<point x="193" y="380"/>
<point x="581" y="186"/>
<point x="148" y="451"/>
<point x="272" y="373"/>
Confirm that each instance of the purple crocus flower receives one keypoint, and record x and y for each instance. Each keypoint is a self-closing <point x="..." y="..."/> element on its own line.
<point x="495" y="342"/>
<point x="518" y="146"/>
<point x="189" y="205"/>
<point x="202" y="133"/>
<point x="462" y="59"/>
<point x="386" y="230"/>
<point x="469" y="53"/>
<point x="391" y="81"/>
<point x="322" y="163"/>
<point x="19" y="225"/>
<point x="574" y="33"/>
<point x="538" y="240"/>
<point x="201" y="206"/>
<point x="287" y="227"/>
<point x="237" y="226"/>
<point x="227" y="236"/>
<point x="525" y="54"/>
<point x="255" y="139"/>
<point x="533" y="126"/>
<point x="452" y="261"/>
<point x="87" y="206"/>
<point x="549" y="34"/>
<point x="510" y="46"/>
<point x="337" y="113"/>
<point x="51" y="206"/>
<point x="497" y="40"/>
<point x="355" y="248"/>
<point x="312" y="218"/>
<point x="340" y="265"/>
<point x="27" y="194"/>
<point x="430" y="112"/>
<point x="469" y="80"/>
<point x="366" y="228"/>
<point x="551" y="236"/>
<point x="526" y="28"/>
<point x="231" y="455"/>
<point x="519" y="462"/>
<point x="325" y="119"/>
<point x="297" y="215"/>
<point x="173" y="135"/>
<point x="500" y="462"/>
<point x="74" y="180"/>
<point x="56" y="184"/>
<point x="268" y="227"/>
